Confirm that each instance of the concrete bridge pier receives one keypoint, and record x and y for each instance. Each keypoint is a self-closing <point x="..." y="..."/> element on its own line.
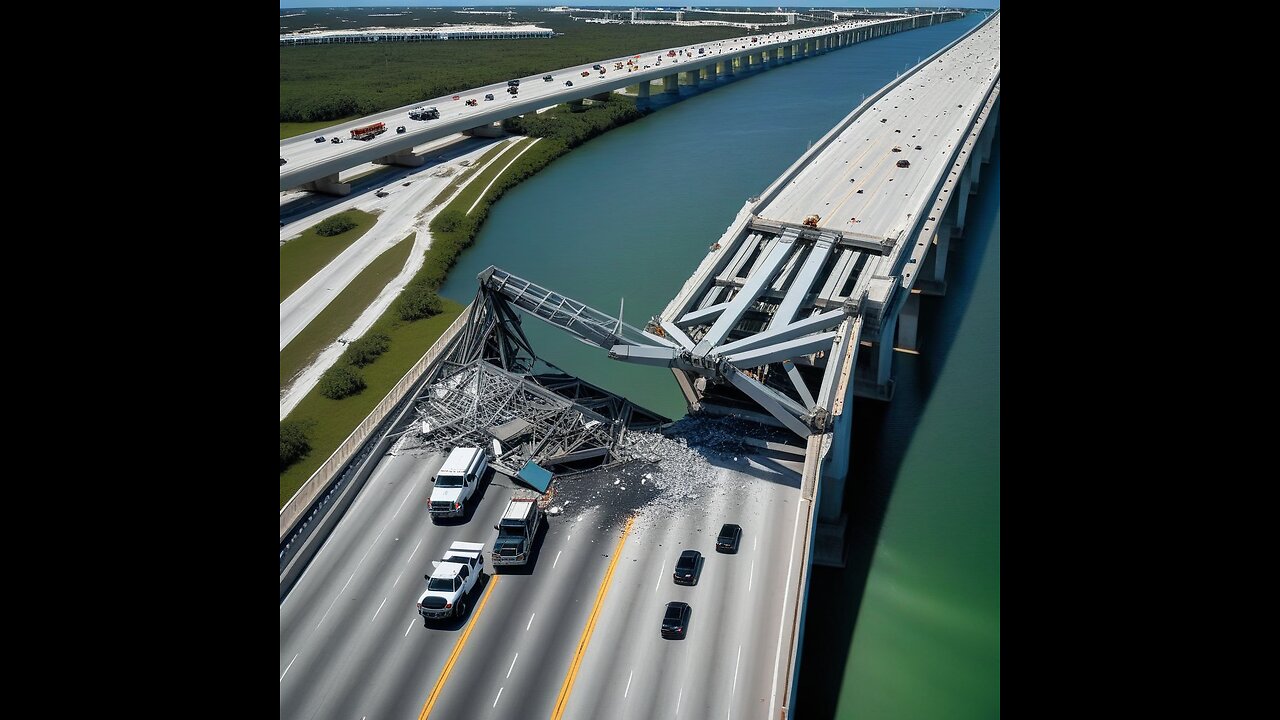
<point x="329" y="186"/>
<point x="933" y="276"/>
<point x="909" y="323"/>
<point x="642" y="95"/>
<point x="692" y="80"/>
<point x="789" y="53"/>
<point x="875" y="380"/>
<point x="404" y="157"/>
<point x="724" y="71"/>
<point x="709" y="81"/>
<point x="671" y="86"/>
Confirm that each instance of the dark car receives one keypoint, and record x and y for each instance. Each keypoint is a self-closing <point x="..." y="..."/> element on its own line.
<point x="675" y="624"/>
<point x="320" y="139"/>
<point x="283" y="161"/>
<point x="336" y="140"/>
<point x="399" y="129"/>
<point x="687" y="567"/>
<point x="568" y="83"/>
<point x="595" y="67"/>
<point x="727" y="540"/>
<point x="488" y="96"/>
<point x="546" y="78"/>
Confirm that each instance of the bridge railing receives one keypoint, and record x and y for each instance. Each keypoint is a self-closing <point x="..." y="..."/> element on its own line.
<point x="320" y="480"/>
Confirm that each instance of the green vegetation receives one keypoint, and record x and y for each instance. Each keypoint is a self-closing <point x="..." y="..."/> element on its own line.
<point x="303" y="257"/>
<point x="340" y="381"/>
<point x="575" y="128"/>
<point x="327" y="82"/>
<point x="342" y="310"/>
<point x="290" y="129"/>
<point x="457" y="182"/>
<point x="335" y="225"/>
<point x="333" y="420"/>
<point x="367" y="349"/>
<point x="419" y="300"/>
<point x="293" y="442"/>
<point x="469" y="194"/>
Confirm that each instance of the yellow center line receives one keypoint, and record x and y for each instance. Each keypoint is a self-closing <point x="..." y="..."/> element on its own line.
<point x="457" y="649"/>
<point x="569" y="679"/>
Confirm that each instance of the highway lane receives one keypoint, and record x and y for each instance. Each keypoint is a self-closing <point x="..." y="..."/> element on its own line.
<point x="308" y="158"/>
<point x="397" y="217"/>
<point x="352" y="644"/>
<point x="856" y="186"/>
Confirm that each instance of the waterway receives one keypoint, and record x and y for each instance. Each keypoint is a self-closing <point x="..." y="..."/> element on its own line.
<point x="910" y="628"/>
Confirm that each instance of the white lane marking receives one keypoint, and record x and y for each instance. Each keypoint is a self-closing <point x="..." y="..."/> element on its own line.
<point x="553" y="565"/>
<point x="782" y="621"/>
<point x="402" y="502"/>
<point x="681" y="695"/>
<point x="406" y="632"/>
<point x="495" y="700"/>
<point x="415" y="550"/>
<point x="513" y="665"/>
<point x="569" y="538"/>
<point x="660" y="572"/>
<point x="397" y="582"/>
<point x="755" y="542"/>
<point x="624" y="692"/>
<point x="752" y="577"/>
<point x="375" y="612"/>
<point x="735" y="672"/>
<point x="286" y="670"/>
<point x="366" y="552"/>
<point x="335" y="599"/>
<point x="526" y="627"/>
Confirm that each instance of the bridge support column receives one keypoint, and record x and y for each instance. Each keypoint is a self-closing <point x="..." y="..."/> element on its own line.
<point x="404" y="157"/>
<point x="724" y="71"/>
<point x="790" y="51"/>
<point x="933" y="278"/>
<point x="642" y="95"/>
<point x="671" y="85"/>
<point x="329" y="186"/>
<point x="909" y="323"/>
<point x="710" y="80"/>
<point x="692" y="80"/>
<point x="878" y="380"/>
<point x="961" y="201"/>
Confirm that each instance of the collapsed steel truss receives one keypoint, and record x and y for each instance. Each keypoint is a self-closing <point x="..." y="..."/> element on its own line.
<point x="485" y="389"/>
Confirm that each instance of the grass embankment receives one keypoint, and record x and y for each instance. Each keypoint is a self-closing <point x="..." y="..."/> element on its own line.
<point x="333" y="420"/>
<point x="329" y="422"/>
<point x="342" y="310"/>
<point x="327" y="82"/>
<point x="457" y="182"/>
<point x="468" y="196"/>
<point x="293" y="129"/>
<point x="303" y="257"/>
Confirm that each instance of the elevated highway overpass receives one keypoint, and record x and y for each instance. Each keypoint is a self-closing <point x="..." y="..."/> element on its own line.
<point x="782" y="323"/>
<point x="316" y="166"/>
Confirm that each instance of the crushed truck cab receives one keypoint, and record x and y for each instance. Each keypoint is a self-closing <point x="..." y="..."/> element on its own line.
<point x="454" y="577"/>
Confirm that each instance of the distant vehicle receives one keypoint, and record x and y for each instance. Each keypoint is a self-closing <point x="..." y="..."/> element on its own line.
<point x="595" y="67"/>
<point x="513" y="83"/>
<point x="320" y="139"/>
<point x="381" y="193"/>
<point x="424" y="113"/>
<point x="517" y="530"/>
<point x="919" y="148"/>
<point x="471" y="102"/>
<point x="488" y="96"/>
<point x="896" y="149"/>
<point x="457" y="481"/>
<point x="702" y="51"/>
<point x="447" y="587"/>
<point x="513" y="90"/>
<point x="729" y="537"/>
<point x="547" y="78"/>
<point x="671" y="53"/>
<point x="811" y="221"/>
<point x="368" y="132"/>
<point x="568" y="83"/>
<point x="283" y="161"/>
<point x="675" y="623"/>
<point x="335" y="140"/>
<point x="399" y="129"/>
<point x="585" y="73"/>
<point x="904" y="163"/>
<point x="687" y="567"/>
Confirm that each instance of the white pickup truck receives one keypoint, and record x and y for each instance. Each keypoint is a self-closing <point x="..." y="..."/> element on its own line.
<point x="457" y="482"/>
<point x="454" y="577"/>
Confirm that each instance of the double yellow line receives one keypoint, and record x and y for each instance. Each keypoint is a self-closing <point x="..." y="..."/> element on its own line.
<point x="457" y="649"/>
<point x="569" y="679"/>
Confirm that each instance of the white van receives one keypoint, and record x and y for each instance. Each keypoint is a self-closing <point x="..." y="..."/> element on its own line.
<point x="456" y="481"/>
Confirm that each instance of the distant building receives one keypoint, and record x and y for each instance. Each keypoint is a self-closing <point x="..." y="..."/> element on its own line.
<point x="451" y="32"/>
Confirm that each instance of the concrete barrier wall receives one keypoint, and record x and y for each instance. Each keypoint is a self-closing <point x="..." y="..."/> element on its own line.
<point x="320" y="480"/>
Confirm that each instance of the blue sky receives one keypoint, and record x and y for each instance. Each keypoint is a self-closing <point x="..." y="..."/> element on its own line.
<point x="284" y="4"/>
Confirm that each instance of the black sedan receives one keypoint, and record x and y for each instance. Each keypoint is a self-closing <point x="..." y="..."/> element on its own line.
<point x="728" y="539"/>
<point x="687" y="567"/>
<point x="675" y="624"/>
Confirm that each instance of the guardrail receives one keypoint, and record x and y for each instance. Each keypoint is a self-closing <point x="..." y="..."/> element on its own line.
<point x="320" y="480"/>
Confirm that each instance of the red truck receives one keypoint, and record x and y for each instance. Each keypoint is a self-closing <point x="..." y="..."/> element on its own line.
<point x="368" y="132"/>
